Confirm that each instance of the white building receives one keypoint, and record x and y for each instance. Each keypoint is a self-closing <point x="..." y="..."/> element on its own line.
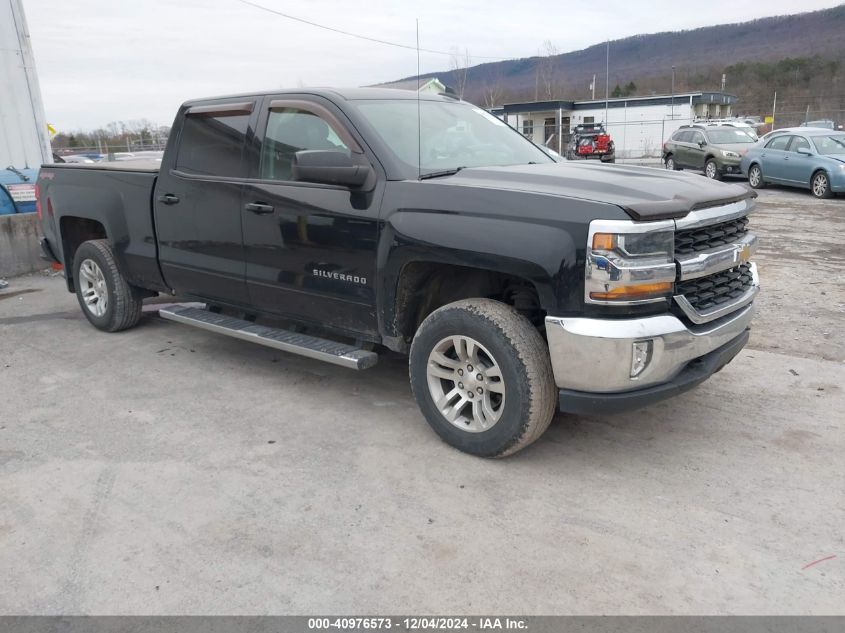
<point x="637" y="125"/>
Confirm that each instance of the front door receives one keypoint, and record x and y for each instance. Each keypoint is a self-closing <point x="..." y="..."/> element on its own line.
<point x="696" y="150"/>
<point x="310" y="249"/>
<point x="683" y="141"/>
<point x="798" y="168"/>
<point x="197" y="203"/>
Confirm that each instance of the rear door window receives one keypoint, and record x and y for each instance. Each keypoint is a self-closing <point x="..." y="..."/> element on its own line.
<point x="212" y="141"/>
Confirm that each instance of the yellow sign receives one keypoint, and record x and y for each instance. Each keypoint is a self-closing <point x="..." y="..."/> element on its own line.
<point x="769" y="119"/>
<point x="51" y="130"/>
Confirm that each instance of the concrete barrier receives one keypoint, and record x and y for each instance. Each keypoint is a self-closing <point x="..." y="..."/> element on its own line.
<point x="20" y="252"/>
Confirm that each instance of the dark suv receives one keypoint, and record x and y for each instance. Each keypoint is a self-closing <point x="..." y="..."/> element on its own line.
<point x="714" y="150"/>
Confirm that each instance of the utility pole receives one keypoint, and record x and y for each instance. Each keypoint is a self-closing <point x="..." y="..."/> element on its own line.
<point x="673" y="93"/>
<point x="593" y="88"/>
<point x="774" y="107"/>
<point x="807" y="115"/>
<point x="606" y="82"/>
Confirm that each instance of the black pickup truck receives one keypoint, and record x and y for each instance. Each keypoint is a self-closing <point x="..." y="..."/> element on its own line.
<point x="366" y="219"/>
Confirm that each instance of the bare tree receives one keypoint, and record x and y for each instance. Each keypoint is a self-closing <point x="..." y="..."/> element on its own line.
<point x="459" y="64"/>
<point x="546" y="80"/>
<point x="493" y="90"/>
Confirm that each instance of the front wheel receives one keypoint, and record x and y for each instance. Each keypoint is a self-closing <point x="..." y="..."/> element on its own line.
<point x="106" y="298"/>
<point x="711" y="170"/>
<point x="482" y="377"/>
<point x="755" y="177"/>
<point x="820" y="185"/>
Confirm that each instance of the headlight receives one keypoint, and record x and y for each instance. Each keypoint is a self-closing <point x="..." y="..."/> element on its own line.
<point x="729" y="154"/>
<point x="629" y="263"/>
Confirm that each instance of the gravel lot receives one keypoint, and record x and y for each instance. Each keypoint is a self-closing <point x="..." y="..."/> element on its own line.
<point x="167" y="470"/>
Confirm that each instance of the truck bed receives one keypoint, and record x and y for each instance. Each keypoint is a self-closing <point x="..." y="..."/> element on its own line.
<point x="118" y="196"/>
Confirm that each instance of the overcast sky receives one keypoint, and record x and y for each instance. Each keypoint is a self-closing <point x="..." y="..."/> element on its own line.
<point x="108" y="60"/>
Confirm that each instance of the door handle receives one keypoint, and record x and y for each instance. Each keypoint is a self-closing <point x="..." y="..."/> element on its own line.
<point x="168" y="198"/>
<point x="259" y="208"/>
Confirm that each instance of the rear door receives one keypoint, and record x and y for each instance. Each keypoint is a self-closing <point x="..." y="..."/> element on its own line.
<point x="310" y="249"/>
<point x="772" y="158"/>
<point x="198" y="202"/>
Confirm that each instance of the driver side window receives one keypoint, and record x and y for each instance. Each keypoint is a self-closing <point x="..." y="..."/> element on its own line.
<point x="779" y="142"/>
<point x="799" y="142"/>
<point x="290" y="130"/>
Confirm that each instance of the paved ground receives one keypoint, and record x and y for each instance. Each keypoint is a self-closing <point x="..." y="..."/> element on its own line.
<point x="167" y="470"/>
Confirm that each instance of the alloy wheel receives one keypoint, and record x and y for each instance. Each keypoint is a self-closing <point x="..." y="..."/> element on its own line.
<point x="466" y="383"/>
<point x="95" y="292"/>
<point x="820" y="185"/>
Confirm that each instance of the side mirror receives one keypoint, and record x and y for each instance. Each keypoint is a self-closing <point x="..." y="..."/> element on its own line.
<point x="702" y="143"/>
<point x="330" y="167"/>
<point x="805" y="151"/>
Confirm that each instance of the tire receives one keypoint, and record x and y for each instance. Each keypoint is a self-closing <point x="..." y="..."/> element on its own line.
<point x="755" y="177"/>
<point x="670" y="163"/>
<point x="104" y="295"/>
<point x="820" y="185"/>
<point x="516" y="396"/>
<point x="711" y="170"/>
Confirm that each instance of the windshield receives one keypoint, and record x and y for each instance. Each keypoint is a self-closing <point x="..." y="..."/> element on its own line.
<point x="833" y="144"/>
<point x="728" y="137"/>
<point x="453" y="135"/>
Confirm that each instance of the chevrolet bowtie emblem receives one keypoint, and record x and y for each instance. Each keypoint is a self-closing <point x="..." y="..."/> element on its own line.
<point x="743" y="254"/>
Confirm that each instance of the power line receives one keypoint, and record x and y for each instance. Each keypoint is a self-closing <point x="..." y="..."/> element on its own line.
<point x="359" y="36"/>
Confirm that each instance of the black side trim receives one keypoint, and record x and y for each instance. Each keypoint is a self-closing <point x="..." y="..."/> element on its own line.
<point x="696" y="372"/>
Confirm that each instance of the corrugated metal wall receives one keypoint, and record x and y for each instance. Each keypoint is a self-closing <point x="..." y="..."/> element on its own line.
<point x="23" y="129"/>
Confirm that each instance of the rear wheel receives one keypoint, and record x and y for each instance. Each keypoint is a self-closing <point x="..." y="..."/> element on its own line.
<point x="482" y="377"/>
<point x="755" y="177"/>
<point x="820" y="185"/>
<point x="670" y="163"/>
<point x="711" y="170"/>
<point x="108" y="301"/>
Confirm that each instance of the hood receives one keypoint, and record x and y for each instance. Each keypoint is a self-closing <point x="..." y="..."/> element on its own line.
<point x="739" y="148"/>
<point x="645" y="193"/>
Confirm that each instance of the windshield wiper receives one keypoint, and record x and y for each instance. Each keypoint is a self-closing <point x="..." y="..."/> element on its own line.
<point x="438" y="174"/>
<point x="18" y="173"/>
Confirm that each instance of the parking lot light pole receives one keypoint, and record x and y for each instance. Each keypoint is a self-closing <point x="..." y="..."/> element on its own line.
<point x="673" y="93"/>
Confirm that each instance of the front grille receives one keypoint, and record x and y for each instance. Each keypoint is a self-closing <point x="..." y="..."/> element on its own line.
<point x="716" y="289"/>
<point x="700" y="239"/>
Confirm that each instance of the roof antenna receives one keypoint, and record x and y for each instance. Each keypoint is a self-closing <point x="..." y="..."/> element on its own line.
<point x="419" y="118"/>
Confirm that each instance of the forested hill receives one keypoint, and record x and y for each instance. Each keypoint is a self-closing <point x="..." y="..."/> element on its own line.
<point x="802" y="56"/>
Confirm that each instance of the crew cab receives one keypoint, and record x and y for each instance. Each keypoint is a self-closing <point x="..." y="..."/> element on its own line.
<point x="338" y="223"/>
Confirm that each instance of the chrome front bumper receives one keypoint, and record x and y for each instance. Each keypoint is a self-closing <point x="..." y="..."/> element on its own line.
<point x="595" y="355"/>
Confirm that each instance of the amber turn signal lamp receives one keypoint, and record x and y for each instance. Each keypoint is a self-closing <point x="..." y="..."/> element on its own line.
<point x="603" y="241"/>
<point x="627" y="293"/>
